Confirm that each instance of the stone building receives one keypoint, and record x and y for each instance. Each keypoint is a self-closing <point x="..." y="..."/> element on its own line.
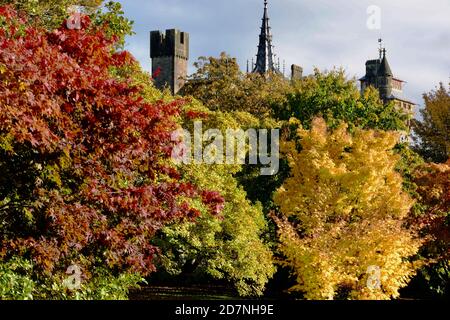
<point x="379" y="75"/>
<point x="296" y="72"/>
<point x="169" y="51"/>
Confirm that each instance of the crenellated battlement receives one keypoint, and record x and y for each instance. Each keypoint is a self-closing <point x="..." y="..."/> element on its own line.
<point x="170" y="43"/>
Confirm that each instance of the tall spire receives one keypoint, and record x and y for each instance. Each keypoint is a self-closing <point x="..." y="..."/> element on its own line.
<point x="265" y="56"/>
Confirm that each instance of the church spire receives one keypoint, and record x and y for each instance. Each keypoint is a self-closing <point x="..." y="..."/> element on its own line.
<point x="265" y="56"/>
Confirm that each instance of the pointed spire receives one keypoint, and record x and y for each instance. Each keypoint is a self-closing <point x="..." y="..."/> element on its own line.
<point x="265" y="56"/>
<point x="385" y="69"/>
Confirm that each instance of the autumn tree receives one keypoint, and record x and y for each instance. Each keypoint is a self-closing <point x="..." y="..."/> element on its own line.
<point x="213" y="248"/>
<point x="220" y="85"/>
<point x="229" y="248"/>
<point x="342" y="215"/>
<point x="335" y="98"/>
<point x="432" y="132"/>
<point x="50" y="14"/>
<point x="433" y="187"/>
<point x="86" y="177"/>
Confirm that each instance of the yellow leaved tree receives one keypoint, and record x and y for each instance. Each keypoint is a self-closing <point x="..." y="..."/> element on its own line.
<point x="342" y="223"/>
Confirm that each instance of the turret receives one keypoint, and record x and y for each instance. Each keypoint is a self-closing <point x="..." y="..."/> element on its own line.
<point x="384" y="78"/>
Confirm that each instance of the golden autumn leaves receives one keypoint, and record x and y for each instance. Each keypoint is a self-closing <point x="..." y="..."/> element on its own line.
<point x="343" y="211"/>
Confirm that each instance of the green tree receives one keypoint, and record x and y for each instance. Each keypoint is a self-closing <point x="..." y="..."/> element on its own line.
<point x="111" y="18"/>
<point x="220" y="85"/>
<point x="432" y="133"/>
<point x="16" y="282"/>
<point x="50" y="14"/>
<point x="335" y="98"/>
<point x="230" y="247"/>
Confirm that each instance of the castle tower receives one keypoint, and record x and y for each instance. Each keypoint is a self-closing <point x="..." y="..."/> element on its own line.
<point x="296" y="72"/>
<point x="170" y="54"/>
<point x="379" y="75"/>
<point x="385" y="79"/>
<point x="265" y="56"/>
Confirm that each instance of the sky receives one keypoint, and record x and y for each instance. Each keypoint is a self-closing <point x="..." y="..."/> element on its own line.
<point x="311" y="33"/>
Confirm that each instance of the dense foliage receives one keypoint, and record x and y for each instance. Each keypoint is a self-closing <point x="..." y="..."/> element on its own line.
<point x="88" y="181"/>
<point x="343" y="211"/>
<point x="213" y="248"/>
<point x="432" y="133"/>
<point x="85" y="173"/>
<point x="335" y="98"/>
<point x="230" y="247"/>
<point x="50" y="14"/>
<point x="433" y="181"/>
<point x="220" y="85"/>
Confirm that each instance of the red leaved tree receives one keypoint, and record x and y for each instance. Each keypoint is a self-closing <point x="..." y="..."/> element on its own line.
<point x="85" y="174"/>
<point x="433" y="187"/>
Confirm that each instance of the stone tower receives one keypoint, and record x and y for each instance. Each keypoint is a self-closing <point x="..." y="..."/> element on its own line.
<point x="169" y="51"/>
<point x="385" y="79"/>
<point x="379" y="75"/>
<point x="296" y="72"/>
